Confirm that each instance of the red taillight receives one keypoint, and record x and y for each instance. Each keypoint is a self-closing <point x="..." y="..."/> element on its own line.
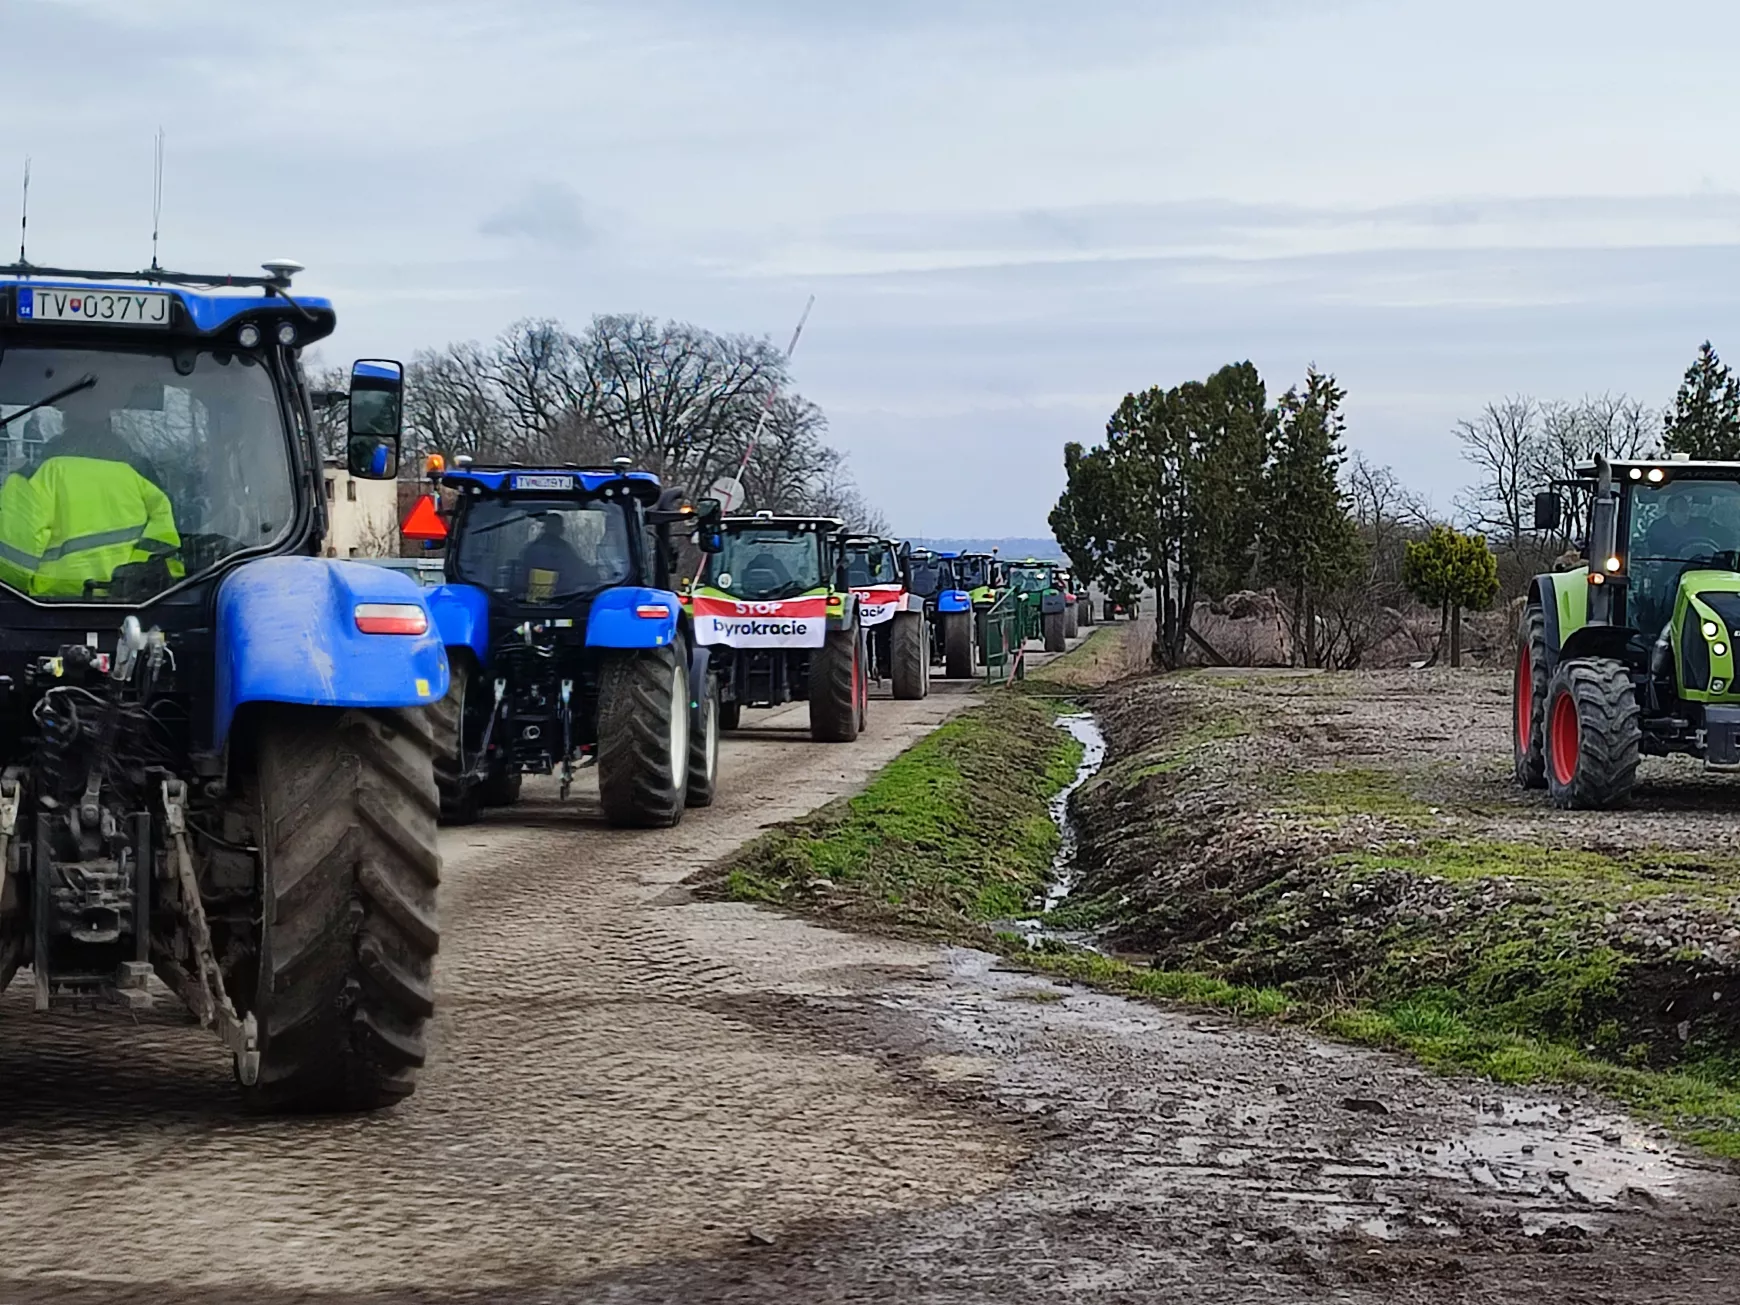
<point x="653" y="611"/>
<point x="391" y="618"/>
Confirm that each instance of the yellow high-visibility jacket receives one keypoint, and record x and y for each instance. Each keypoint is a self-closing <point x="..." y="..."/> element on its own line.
<point x="74" y="520"/>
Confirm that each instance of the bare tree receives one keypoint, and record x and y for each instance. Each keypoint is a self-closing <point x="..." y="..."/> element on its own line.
<point x="1572" y="435"/>
<point x="1504" y="445"/>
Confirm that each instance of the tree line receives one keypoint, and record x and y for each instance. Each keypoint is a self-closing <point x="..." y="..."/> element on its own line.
<point x="676" y="399"/>
<point x="1208" y="487"/>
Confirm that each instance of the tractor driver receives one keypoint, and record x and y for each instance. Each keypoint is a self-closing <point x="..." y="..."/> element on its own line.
<point x="552" y="565"/>
<point x="84" y="512"/>
<point x="1676" y="529"/>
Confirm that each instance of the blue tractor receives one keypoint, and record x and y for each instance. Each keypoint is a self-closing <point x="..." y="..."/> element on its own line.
<point x="567" y="642"/>
<point x="216" y="762"/>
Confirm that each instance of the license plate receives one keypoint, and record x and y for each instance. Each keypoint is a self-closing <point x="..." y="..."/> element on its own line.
<point x="560" y="483"/>
<point x="96" y="307"/>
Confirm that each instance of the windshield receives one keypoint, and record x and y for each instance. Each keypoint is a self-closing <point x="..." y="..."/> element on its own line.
<point x="1029" y="579"/>
<point x="766" y="564"/>
<point x="870" y="564"/>
<point x="537" y="550"/>
<point x="142" y="469"/>
<point x="971" y="572"/>
<point x="925" y="574"/>
<point x="1673" y="527"/>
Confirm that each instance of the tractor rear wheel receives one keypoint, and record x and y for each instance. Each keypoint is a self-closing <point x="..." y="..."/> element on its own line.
<point x="911" y="656"/>
<point x="643" y="737"/>
<point x="459" y="796"/>
<point x="704" y="746"/>
<point x="836" y="672"/>
<point x="1593" y="734"/>
<point x="1052" y="626"/>
<point x="957" y="645"/>
<point x="1084" y="609"/>
<point x="500" y="790"/>
<point x="1529" y="701"/>
<point x="346" y="808"/>
<point x="1071" y="622"/>
<point x="730" y="715"/>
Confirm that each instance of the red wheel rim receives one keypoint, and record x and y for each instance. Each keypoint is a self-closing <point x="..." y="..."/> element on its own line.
<point x="1565" y="739"/>
<point x="1525" y="699"/>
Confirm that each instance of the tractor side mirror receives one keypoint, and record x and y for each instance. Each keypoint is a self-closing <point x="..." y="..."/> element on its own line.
<point x="708" y="537"/>
<point x="377" y="414"/>
<point x="1549" y="510"/>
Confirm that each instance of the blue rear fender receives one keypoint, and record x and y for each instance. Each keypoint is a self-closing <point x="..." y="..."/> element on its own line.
<point x="954" y="600"/>
<point x="287" y="632"/>
<point x="461" y="614"/>
<point x="632" y="617"/>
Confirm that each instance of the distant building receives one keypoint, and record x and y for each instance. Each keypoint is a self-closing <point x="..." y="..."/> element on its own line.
<point x="362" y="515"/>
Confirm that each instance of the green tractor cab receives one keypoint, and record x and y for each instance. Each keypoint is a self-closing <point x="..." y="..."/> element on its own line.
<point x="1044" y="603"/>
<point x="1632" y="653"/>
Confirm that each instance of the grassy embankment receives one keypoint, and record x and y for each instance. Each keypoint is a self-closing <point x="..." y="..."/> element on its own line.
<point x="1246" y="874"/>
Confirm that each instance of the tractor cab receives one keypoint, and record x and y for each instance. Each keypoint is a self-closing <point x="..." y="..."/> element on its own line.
<point x="981" y="575"/>
<point x="899" y="639"/>
<point x="1634" y="651"/>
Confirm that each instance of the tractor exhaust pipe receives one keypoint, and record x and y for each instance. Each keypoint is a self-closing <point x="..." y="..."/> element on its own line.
<point x="1604" y="544"/>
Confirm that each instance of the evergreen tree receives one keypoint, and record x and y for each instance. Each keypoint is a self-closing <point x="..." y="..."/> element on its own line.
<point x="1705" y="421"/>
<point x="1451" y="571"/>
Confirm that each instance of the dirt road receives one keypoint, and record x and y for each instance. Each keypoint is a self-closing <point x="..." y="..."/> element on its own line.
<point x="637" y="1097"/>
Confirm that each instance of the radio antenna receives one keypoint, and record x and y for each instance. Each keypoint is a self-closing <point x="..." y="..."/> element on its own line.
<point x="157" y="201"/>
<point x="24" y="213"/>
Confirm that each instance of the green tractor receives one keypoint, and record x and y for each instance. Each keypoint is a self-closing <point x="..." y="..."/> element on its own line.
<point x="983" y="577"/>
<point x="1044" y="604"/>
<point x="1633" y="653"/>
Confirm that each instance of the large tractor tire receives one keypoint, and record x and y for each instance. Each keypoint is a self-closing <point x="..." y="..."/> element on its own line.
<point x="730" y="715"/>
<point x="1110" y="610"/>
<point x="704" y="746"/>
<point x="1071" y="622"/>
<point x="1529" y="701"/>
<point x="836" y="680"/>
<point x="643" y="738"/>
<point x="911" y="656"/>
<point x="1593" y="734"/>
<point x="1084" y="609"/>
<point x="957" y="645"/>
<point x="863" y="691"/>
<point x="346" y="807"/>
<point x="459" y="798"/>
<point x="1052" y="626"/>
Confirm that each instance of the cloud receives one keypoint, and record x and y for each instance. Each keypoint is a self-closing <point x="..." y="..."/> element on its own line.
<point x="547" y="214"/>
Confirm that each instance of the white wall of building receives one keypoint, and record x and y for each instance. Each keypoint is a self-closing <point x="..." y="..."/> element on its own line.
<point x="362" y="515"/>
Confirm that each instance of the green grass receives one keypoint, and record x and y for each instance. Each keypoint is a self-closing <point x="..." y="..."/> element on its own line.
<point x="953" y="831"/>
<point x="1341" y="792"/>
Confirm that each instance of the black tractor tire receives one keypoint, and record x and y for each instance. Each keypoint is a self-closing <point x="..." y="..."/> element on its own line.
<point x="836" y="672"/>
<point x="910" y="656"/>
<point x="730" y="715"/>
<point x="459" y="798"/>
<point x="957" y="645"/>
<point x="1071" y="622"/>
<point x="704" y="746"/>
<point x="643" y="737"/>
<point x="1110" y="611"/>
<point x="1084" y="610"/>
<point x="1593" y="734"/>
<point x="1529" y="701"/>
<point x="863" y="688"/>
<point x="500" y="790"/>
<point x="1052" y="626"/>
<point x="346" y="809"/>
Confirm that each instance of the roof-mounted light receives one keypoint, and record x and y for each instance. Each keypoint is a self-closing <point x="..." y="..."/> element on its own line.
<point x="249" y="336"/>
<point x="434" y="465"/>
<point x="1637" y="473"/>
<point x="1656" y="475"/>
<point x="286" y="334"/>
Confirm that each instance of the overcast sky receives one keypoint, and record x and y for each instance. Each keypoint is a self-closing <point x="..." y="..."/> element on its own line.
<point x="1011" y="212"/>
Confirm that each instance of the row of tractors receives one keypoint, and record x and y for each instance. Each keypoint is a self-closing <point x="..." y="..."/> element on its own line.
<point x="224" y="757"/>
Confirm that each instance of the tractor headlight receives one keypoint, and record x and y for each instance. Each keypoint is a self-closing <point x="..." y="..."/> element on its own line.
<point x="1711" y="629"/>
<point x="1613" y="564"/>
<point x="1719" y="649"/>
<point x="1655" y="475"/>
<point x="1637" y="473"/>
<point x="249" y="336"/>
<point x="286" y="334"/>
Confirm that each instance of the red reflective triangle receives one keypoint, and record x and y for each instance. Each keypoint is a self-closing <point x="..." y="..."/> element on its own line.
<point x="424" y="522"/>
